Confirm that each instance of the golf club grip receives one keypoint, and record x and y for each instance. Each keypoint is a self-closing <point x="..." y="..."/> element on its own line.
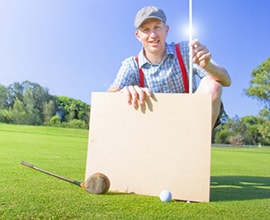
<point x="27" y="164"/>
<point x="76" y="182"/>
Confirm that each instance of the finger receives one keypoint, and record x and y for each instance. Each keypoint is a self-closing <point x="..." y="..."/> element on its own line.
<point x="147" y="91"/>
<point x="197" y="55"/>
<point x="206" y="56"/>
<point x="134" y="96"/>
<point x="199" y="48"/>
<point x="142" y="93"/>
<point x="195" y="44"/>
<point x="199" y="52"/>
<point x="203" y="60"/>
<point x="126" y="92"/>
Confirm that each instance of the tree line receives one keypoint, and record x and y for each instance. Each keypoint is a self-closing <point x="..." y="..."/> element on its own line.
<point x="250" y="130"/>
<point x="29" y="103"/>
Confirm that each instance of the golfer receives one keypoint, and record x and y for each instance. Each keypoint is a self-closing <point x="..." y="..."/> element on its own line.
<point x="160" y="68"/>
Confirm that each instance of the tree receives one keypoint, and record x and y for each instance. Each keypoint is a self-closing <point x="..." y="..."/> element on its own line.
<point x="38" y="95"/>
<point x="264" y="126"/>
<point x="49" y="110"/>
<point x="252" y="135"/>
<point x="260" y="83"/>
<point x="18" y="113"/>
<point x="240" y="131"/>
<point x="3" y="97"/>
<point x="69" y="109"/>
<point x="250" y="130"/>
<point x="265" y="131"/>
<point x="260" y="89"/>
<point x="30" y="103"/>
<point x="32" y="97"/>
<point x="28" y="100"/>
<point x="15" y="92"/>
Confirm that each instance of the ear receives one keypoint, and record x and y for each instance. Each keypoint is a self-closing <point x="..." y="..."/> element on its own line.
<point x="167" y="29"/>
<point x="137" y="34"/>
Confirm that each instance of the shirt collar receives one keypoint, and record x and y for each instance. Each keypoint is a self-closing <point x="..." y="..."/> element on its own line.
<point x="170" y="51"/>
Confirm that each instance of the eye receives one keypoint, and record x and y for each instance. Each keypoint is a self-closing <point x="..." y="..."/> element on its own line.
<point x="145" y="30"/>
<point x="158" y="27"/>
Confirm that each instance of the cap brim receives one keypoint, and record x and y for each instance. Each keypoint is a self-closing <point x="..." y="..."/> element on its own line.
<point x="151" y="17"/>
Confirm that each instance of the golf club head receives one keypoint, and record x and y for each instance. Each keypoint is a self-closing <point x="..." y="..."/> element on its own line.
<point x="98" y="183"/>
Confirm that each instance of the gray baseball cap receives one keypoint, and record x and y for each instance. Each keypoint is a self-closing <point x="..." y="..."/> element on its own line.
<point x="149" y="12"/>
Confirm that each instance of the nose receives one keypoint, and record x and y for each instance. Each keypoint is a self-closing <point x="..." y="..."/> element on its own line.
<point x="153" y="33"/>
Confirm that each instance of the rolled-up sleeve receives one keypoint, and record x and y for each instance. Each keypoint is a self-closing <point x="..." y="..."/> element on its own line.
<point x="127" y="74"/>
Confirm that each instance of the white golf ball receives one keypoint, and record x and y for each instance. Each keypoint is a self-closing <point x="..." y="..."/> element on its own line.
<point x="165" y="196"/>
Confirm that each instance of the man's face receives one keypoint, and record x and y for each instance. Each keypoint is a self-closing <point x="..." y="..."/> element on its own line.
<point x="152" y="34"/>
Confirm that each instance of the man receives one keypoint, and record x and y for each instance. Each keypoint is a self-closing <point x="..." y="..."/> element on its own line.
<point x="158" y="65"/>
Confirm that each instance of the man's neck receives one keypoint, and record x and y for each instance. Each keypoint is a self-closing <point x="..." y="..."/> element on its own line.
<point x="155" y="58"/>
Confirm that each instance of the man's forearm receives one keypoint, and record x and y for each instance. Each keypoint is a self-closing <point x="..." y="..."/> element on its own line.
<point x="218" y="73"/>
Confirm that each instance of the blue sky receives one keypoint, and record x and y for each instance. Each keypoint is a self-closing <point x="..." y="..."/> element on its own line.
<point x="75" y="47"/>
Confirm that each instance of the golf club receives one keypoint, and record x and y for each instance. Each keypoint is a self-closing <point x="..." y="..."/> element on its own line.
<point x="97" y="183"/>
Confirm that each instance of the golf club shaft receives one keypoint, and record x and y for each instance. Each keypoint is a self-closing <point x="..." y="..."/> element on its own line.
<point x="78" y="183"/>
<point x="190" y="48"/>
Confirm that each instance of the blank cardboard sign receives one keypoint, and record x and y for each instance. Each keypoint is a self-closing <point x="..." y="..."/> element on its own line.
<point x="163" y="145"/>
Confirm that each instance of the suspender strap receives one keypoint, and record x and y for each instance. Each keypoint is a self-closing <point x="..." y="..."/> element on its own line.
<point x="141" y="75"/>
<point x="182" y="66"/>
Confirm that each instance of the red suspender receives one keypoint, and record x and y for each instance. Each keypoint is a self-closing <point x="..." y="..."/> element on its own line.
<point x="141" y="75"/>
<point x="182" y="66"/>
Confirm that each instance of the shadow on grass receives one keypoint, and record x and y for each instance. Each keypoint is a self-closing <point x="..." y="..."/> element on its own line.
<point x="228" y="188"/>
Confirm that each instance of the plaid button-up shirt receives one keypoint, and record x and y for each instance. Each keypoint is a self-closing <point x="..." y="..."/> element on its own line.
<point x="165" y="77"/>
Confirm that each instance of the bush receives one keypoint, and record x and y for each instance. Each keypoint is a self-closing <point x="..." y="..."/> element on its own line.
<point x="76" y="123"/>
<point x="55" y="121"/>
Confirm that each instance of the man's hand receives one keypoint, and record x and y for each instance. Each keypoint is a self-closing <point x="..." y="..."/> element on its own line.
<point x="202" y="57"/>
<point x="136" y="95"/>
<point x="200" y="54"/>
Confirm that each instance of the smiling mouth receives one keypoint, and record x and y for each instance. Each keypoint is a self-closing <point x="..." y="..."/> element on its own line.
<point x="154" y="43"/>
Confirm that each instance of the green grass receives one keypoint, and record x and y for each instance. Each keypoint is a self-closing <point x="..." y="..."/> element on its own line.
<point x="240" y="182"/>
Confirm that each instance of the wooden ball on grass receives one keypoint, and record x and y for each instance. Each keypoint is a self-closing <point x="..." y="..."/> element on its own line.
<point x="98" y="183"/>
